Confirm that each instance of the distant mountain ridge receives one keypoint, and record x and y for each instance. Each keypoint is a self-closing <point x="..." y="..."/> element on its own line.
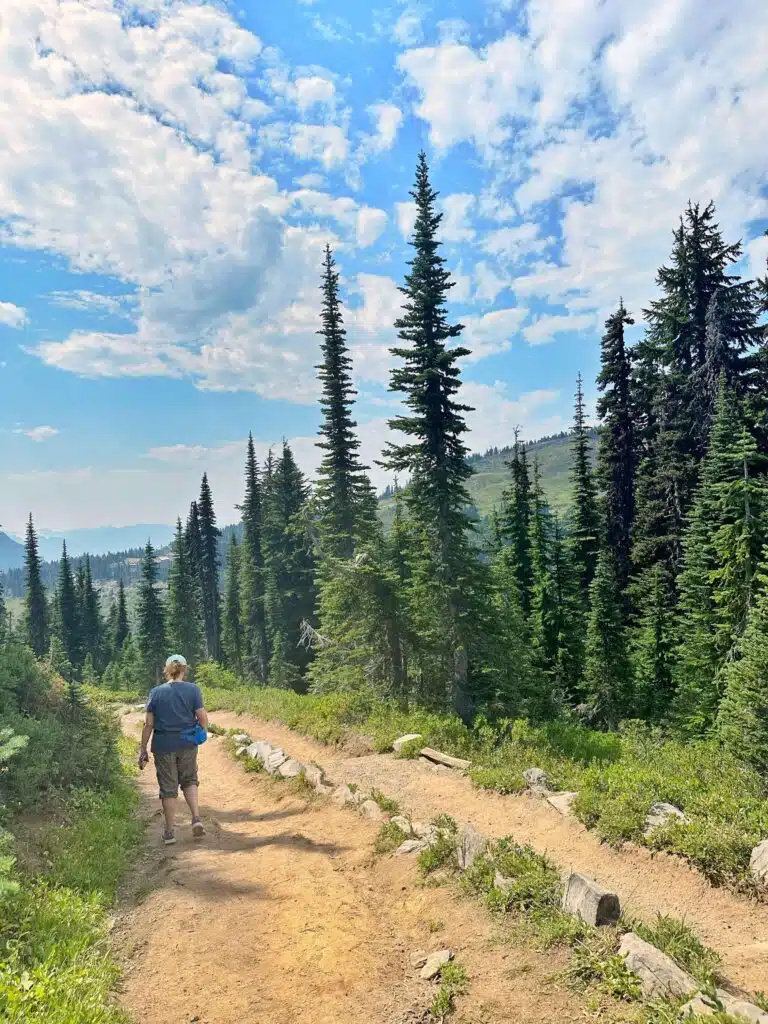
<point x="100" y="540"/>
<point x="11" y="553"/>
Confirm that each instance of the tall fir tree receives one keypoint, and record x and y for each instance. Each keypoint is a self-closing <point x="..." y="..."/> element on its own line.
<point x="5" y="625"/>
<point x="256" y="652"/>
<point x="568" y="622"/>
<point x="585" y="522"/>
<point x="514" y="520"/>
<point x="434" y="452"/>
<point x="544" y="618"/>
<point x="184" y="620"/>
<point x="209" y="570"/>
<point x="342" y="492"/>
<point x="91" y="624"/>
<point x="722" y="547"/>
<point x="150" y="621"/>
<point x="68" y="622"/>
<point x="607" y="679"/>
<point x="617" y="448"/>
<point x="652" y="642"/>
<point x="122" y="629"/>
<point x="742" y="719"/>
<point x="35" y="602"/>
<point x="232" y="627"/>
<point x="290" y="570"/>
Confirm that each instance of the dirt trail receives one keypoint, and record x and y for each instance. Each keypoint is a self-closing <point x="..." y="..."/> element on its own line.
<point x="646" y="883"/>
<point x="281" y="914"/>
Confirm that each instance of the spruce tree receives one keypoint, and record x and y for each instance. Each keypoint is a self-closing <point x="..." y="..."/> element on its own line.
<point x="342" y="489"/>
<point x="544" y="619"/>
<point x="68" y="622"/>
<point x="519" y="685"/>
<point x="92" y="627"/>
<point x="35" y="603"/>
<point x="742" y="719"/>
<point x="568" y="621"/>
<point x="652" y="642"/>
<point x="209" y="570"/>
<point x="617" y="445"/>
<point x="514" y="521"/>
<point x="150" y="621"/>
<point x="122" y="630"/>
<point x="607" y="680"/>
<point x="184" y="613"/>
<point x="232" y="630"/>
<point x="434" y="452"/>
<point x="255" y="643"/>
<point x="584" y="525"/>
<point x="5" y="629"/>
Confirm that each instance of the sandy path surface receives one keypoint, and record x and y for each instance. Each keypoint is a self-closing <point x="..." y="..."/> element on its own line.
<point x="282" y="914"/>
<point x="646" y="883"/>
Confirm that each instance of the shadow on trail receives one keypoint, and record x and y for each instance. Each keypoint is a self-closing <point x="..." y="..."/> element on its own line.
<point x="223" y="841"/>
<point x="206" y="884"/>
<point x="248" y="815"/>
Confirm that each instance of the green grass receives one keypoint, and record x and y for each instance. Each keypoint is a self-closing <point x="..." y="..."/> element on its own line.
<point x="386" y="803"/>
<point x="441" y="852"/>
<point x="617" y="775"/>
<point x="676" y="939"/>
<point x="453" y="982"/>
<point x="389" y="837"/>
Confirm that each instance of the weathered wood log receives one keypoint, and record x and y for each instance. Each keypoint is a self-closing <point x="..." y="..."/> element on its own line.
<point x="446" y="759"/>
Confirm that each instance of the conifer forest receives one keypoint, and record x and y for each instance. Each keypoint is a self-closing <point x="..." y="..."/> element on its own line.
<point x="647" y="601"/>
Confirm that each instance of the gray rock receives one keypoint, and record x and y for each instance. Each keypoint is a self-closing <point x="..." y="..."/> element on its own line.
<point x="659" y="814"/>
<point x="242" y="739"/>
<point x="342" y="796"/>
<point x="252" y="751"/>
<point x="733" y="1006"/>
<point x="435" y="963"/>
<point x="239" y="751"/>
<point x="370" y="809"/>
<point x="290" y="769"/>
<point x="359" y="797"/>
<point x="314" y="775"/>
<point x="402" y="823"/>
<point x="501" y="882"/>
<point x="660" y="977"/>
<point x="585" y="899"/>
<point x="400" y="742"/>
<point x="419" y="959"/>
<point x="758" y="861"/>
<point x="424" y="830"/>
<point x="411" y="846"/>
<point x="470" y="845"/>
<point x="537" y="779"/>
<point x="324" y="789"/>
<point x="274" y="760"/>
<point x="140" y="707"/>
<point x="562" y="802"/>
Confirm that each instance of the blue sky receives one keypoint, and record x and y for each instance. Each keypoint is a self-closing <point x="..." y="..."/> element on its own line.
<point x="172" y="170"/>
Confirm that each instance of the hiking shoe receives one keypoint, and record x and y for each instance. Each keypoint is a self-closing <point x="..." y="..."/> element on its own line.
<point x="198" y="828"/>
<point x="168" y="837"/>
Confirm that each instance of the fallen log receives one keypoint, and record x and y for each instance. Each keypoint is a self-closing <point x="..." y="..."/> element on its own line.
<point x="446" y="759"/>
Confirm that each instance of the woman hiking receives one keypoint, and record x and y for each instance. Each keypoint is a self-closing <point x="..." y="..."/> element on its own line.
<point x="176" y="720"/>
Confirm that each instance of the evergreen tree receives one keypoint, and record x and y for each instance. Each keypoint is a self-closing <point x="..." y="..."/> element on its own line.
<point x="68" y="622"/>
<point x="544" y="619"/>
<point x="92" y="627"/>
<point x="584" y="514"/>
<point x="617" y="446"/>
<point x="5" y="627"/>
<point x="232" y="631"/>
<point x="289" y="569"/>
<point x="209" y="570"/>
<point x="58" y="661"/>
<point x="722" y="548"/>
<point x="519" y="686"/>
<point x="515" y="522"/>
<point x="607" y="682"/>
<point x="255" y="643"/>
<point x="184" y="612"/>
<point x="122" y="630"/>
<point x="568" y="621"/>
<point x="150" y="621"/>
<point x="194" y="543"/>
<point x="652" y="645"/>
<point x="343" y="491"/>
<point x="36" y="606"/>
<point x="434" y="452"/>
<point x="742" y="720"/>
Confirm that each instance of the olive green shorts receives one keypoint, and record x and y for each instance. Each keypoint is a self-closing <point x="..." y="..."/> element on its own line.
<point x="178" y="768"/>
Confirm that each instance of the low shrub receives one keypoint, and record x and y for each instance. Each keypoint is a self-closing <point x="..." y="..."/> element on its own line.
<point x="453" y="982"/>
<point x="389" y="837"/>
<point x="676" y="939"/>
<point x="441" y="852"/>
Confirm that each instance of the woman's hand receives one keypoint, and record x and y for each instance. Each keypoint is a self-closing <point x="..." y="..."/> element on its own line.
<point x="143" y="759"/>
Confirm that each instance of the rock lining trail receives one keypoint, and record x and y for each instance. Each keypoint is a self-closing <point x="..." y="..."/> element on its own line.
<point x="646" y="883"/>
<point x="283" y="914"/>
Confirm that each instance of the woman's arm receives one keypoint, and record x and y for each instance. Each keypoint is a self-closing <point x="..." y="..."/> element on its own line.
<point x="146" y="733"/>
<point x="202" y="716"/>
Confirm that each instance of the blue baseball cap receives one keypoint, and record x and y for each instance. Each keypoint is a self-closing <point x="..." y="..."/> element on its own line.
<point x="177" y="659"/>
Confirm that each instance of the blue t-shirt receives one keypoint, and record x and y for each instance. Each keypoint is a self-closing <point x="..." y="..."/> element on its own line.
<point x="174" y="706"/>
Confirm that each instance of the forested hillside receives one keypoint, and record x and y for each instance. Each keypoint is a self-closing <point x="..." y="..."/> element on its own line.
<point x="629" y="585"/>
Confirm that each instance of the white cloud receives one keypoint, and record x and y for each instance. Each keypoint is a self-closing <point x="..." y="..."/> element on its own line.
<point x="313" y="90"/>
<point x="312" y="180"/>
<point x="544" y="328"/>
<point x="405" y="213"/>
<point x="407" y="29"/>
<point x="456" y="225"/>
<point x="326" y="143"/>
<point x="497" y="414"/>
<point x="492" y="332"/>
<point x="387" y="119"/>
<point x="514" y="243"/>
<point x="487" y="283"/>
<point x="41" y="433"/>
<point x="92" y="302"/>
<point x="364" y="223"/>
<point x="12" y="315"/>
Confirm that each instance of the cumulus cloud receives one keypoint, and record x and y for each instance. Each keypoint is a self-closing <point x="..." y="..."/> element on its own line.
<point x="544" y="328"/>
<point x="387" y="119"/>
<point x="41" y="433"/>
<point x="405" y="214"/>
<point x="12" y="315"/>
<point x="93" y="302"/>
<point x="456" y="226"/>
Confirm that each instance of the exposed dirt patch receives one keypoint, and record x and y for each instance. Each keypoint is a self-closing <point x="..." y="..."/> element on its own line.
<point x="647" y="883"/>
<point x="282" y="914"/>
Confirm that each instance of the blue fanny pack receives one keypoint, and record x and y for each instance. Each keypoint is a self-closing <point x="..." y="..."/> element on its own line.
<point x="195" y="734"/>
